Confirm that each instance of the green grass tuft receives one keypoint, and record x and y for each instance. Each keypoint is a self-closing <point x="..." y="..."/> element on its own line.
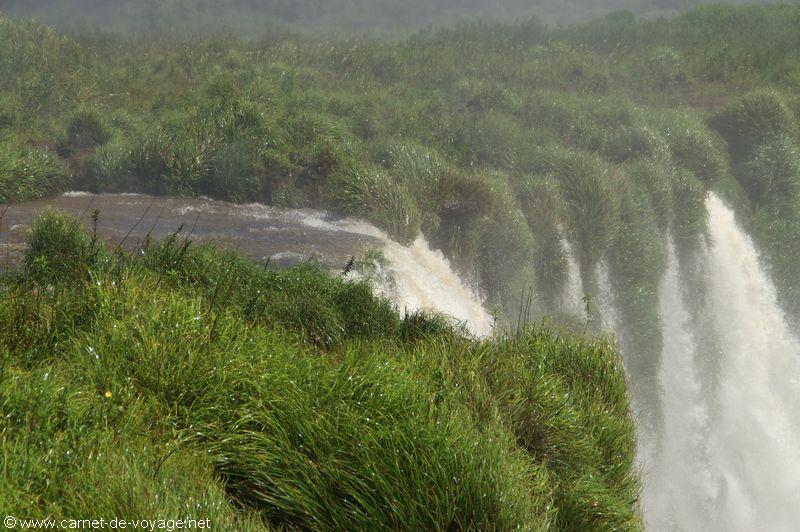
<point x="184" y="381"/>
<point x="754" y="119"/>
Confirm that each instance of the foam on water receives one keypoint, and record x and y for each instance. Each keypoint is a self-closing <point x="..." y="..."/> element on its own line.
<point x="737" y="467"/>
<point x="573" y="294"/>
<point x="423" y="277"/>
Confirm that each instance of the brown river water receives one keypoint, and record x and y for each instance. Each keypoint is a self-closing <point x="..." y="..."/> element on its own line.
<point x="417" y="276"/>
<point x="257" y="231"/>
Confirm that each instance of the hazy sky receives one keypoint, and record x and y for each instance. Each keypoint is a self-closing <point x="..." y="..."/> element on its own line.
<point x="251" y="17"/>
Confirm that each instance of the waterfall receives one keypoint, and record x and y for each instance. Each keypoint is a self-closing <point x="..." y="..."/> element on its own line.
<point x="756" y="446"/>
<point x="675" y="479"/>
<point x="422" y="278"/>
<point x="605" y="302"/>
<point x="737" y="468"/>
<point x="572" y="296"/>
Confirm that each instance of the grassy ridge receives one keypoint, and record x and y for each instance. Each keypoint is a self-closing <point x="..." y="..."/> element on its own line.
<point x="497" y="142"/>
<point x="289" y="398"/>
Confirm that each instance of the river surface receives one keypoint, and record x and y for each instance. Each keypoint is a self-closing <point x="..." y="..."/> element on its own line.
<point x="257" y="231"/>
<point x="416" y="277"/>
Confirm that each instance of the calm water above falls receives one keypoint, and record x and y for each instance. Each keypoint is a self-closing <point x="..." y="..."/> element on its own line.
<point x="423" y="278"/>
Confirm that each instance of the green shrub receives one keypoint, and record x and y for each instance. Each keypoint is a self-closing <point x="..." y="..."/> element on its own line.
<point x="483" y="95"/>
<point x="8" y="114"/>
<point x="542" y="205"/>
<point x="694" y="148"/>
<point x="420" y="170"/>
<point x="58" y="249"/>
<point x="149" y="160"/>
<point x="771" y="177"/>
<point x="234" y="172"/>
<point x="505" y="247"/>
<point x="187" y="165"/>
<point x="691" y="216"/>
<point x="625" y="143"/>
<point x="29" y="173"/>
<point x="314" y="136"/>
<point x="464" y="201"/>
<point x="754" y="119"/>
<point x="590" y="193"/>
<point x="370" y="193"/>
<point x="493" y="138"/>
<point x="424" y="325"/>
<point x="85" y="130"/>
<point x="656" y="176"/>
<point x="108" y="169"/>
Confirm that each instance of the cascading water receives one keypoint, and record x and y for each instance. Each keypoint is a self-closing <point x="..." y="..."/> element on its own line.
<point x="605" y="301"/>
<point x="735" y="466"/>
<point x="422" y="278"/>
<point x="572" y="296"/>
<point x="756" y="447"/>
<point x="675" y="483"/>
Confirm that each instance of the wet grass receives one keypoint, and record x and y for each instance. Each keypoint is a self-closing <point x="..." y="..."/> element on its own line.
<point x="495" y="142"/>
<point x="187" y="381"/>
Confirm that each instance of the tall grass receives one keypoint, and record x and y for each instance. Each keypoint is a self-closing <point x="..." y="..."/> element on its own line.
<point x="29" y="173"/>
<point x="754" y="119"/>
<point x="438" y="134"/>
<point x="185" y="381"/>
<point x="590" y="193"/>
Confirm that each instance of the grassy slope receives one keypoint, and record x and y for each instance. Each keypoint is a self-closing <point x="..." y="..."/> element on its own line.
<point x="187" y="382"/>
<point x="496" y="142"/>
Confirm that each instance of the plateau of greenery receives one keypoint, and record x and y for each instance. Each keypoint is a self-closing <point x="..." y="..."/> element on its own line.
<point x="500" y="143"/>
<point x="187" y="382"/>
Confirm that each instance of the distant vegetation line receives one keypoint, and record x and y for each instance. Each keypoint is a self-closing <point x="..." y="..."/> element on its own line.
<point x="253" y="17"/>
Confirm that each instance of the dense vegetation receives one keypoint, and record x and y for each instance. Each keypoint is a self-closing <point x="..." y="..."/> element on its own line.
<point x="184" y="381"/>
<point x="496" y="142"/>
<point x="499" y="143"/>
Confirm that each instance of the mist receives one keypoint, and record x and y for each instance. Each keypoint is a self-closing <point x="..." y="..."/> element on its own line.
<point x="251" y="18"/>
